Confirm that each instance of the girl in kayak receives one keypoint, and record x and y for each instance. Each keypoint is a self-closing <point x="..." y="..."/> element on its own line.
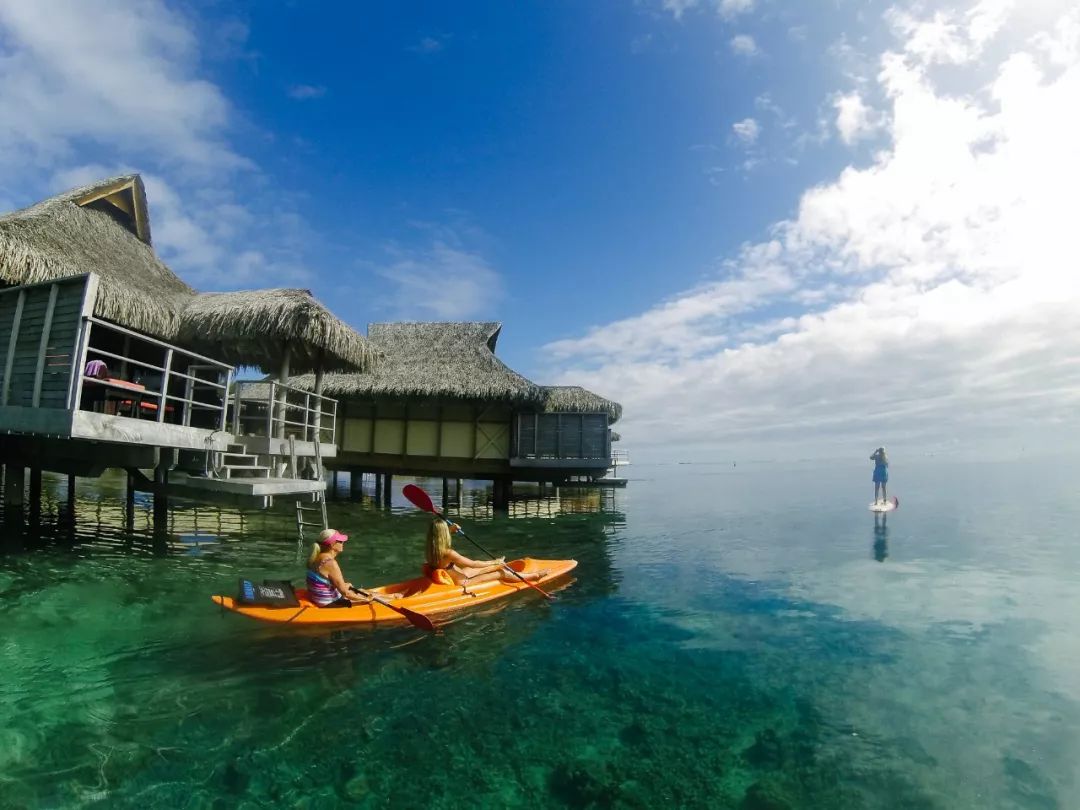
<point x="881" y="474"/>
<point x="462" y="570"/>
<point x="326" y="584"/>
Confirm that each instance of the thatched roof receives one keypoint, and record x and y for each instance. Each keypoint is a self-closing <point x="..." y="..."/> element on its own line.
<point x="575" y="399"/>
<point x="252" y="327"/>
<point x="103" y="229"/>
<point x="434" y="360"/>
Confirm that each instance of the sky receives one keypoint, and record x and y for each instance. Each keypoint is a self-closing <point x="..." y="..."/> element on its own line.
<point x="771" y="230"/>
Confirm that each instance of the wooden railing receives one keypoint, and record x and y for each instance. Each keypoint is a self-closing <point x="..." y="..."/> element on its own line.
<point x="182" y="388"/>
<point x="267" y="408"/>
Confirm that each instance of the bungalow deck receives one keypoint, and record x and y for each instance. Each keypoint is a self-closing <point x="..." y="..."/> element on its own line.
<point x="147" y="404"/>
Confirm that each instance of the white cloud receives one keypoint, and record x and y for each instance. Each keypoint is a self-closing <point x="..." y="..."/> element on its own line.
<point x="137" y="101"/>
<point x="306" y="92"/>
<point x="929" y="296"/>
<point x="445" y="281"/>
<point x="854" y="119"/>
<point x="430" y="44"/>
<point x="678" y="7"/>
<point x="136" y="89"/>
<point x="744" y="45"/>
<point x="732" y="8"/>
<point x="747" y="131"/>
<point x="728" y="9"/>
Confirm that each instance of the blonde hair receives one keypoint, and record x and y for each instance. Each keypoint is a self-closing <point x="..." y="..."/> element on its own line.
<point x="438" y="542"/>
<point x="319" y="548"/>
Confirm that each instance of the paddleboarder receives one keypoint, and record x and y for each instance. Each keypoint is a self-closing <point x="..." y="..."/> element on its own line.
<point x="881" y="474"/>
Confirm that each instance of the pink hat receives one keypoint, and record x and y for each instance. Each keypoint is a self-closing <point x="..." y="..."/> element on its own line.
<point x="336" y="537"/>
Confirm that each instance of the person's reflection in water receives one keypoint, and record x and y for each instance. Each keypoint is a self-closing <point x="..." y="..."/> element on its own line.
<point x="881" y="536"/>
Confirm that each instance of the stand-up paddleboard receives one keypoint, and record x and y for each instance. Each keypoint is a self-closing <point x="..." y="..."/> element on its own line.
<point x="885" y="506"/>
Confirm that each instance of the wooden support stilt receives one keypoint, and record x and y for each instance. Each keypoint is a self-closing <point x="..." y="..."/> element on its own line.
<point x="14" y="482"/>
<point x="500" y="494"/>
<point x="356" y="484"/>
<point x="378" y="488"/>
<point x="161" y="499"/>
<point x="387" y="490"/>
<point x="457" y="493"/>
<point x="71" y="494"/>
<point x="35" y="498"/>
<point x="445" y="492"/>
<point x="129" y="503"/>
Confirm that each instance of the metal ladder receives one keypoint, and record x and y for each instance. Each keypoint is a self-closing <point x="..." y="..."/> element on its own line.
<point x="317" y="505"/>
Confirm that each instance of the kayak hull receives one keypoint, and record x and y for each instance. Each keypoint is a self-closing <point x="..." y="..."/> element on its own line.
<point x="419" y="594"/>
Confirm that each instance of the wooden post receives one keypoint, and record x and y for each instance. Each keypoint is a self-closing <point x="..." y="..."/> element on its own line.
<point x="283" y="376"/>
<point x="378" y="489"/>
<point x="319" y="378"/>
<point x="13" y="339"/>
<point x="164" y="399"/>
<point x="43" y="348"/>
<point x="458" y="493"/>
<point x="161" y="498"/>
<point x="356" y="484"/>
<point x="14" y="481"/>
<point x="129" y="503"/>
<point x="438" y="438"/>
<point x="387" y="490"/>
<point x="71" y="495"/>
<point x="35" y="496"/>
<point x="374" y="420"/>
<point x="445" y="492"/>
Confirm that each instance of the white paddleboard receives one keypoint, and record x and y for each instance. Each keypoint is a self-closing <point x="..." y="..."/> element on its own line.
<point x="885" y="506"/>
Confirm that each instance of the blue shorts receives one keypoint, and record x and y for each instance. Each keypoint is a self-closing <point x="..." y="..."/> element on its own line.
<point x="881" y="475"/>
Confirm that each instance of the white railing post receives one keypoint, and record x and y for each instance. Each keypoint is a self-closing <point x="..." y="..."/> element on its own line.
<point x="225" y="400"/>
<point x="236" y="400"/>
<point x="164" y="393"/>
<point x="271" y="404"/>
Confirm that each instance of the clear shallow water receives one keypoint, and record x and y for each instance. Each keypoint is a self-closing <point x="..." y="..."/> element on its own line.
<point x="736" y="637"/>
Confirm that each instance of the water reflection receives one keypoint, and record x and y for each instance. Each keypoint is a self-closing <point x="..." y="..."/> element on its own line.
<point x="881" y="536"/>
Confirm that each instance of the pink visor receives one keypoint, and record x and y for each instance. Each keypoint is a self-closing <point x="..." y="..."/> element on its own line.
<point x="336" y="537"/>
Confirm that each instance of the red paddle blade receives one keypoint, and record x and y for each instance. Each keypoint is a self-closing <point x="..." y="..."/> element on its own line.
<point x="418" y="497"/>
<point x="417" y="619"/>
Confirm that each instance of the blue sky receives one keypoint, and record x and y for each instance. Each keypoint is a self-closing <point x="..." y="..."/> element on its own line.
<point x="760" y="225"/>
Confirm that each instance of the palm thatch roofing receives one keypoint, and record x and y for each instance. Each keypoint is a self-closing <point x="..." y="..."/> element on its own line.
<point x="441" y="360"/>
<point x="575" y="399"/>
<point x="101" y="228"/>
<point x="251" y="328"/>
<point x="436" y="361"/>
<point x="104" y="228"/>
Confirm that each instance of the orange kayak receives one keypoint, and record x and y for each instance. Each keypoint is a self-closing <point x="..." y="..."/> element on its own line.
<point x="420" y="595"/>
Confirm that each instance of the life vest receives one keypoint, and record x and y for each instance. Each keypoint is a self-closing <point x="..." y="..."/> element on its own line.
<point x="440" y="576"/>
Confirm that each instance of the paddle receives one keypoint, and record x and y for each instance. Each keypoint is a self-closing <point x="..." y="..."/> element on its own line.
<point x="420" y="500"/>
<point x="415" y="619"/>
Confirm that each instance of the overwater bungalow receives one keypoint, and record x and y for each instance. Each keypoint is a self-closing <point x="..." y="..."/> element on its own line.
<point x="440" y="403"/>
<point x="108" y="359"/>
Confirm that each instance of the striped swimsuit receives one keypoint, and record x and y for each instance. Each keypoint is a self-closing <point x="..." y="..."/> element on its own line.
<point x="320" y="590"/>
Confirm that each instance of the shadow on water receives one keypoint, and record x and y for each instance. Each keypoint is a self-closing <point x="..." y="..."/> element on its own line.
<point x="881" y="536"/>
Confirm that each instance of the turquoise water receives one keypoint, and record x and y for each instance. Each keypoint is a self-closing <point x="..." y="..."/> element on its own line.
<point x="742" y="637"/>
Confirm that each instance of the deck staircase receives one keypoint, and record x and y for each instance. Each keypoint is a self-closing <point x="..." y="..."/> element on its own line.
<point x="236" y="462"/>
